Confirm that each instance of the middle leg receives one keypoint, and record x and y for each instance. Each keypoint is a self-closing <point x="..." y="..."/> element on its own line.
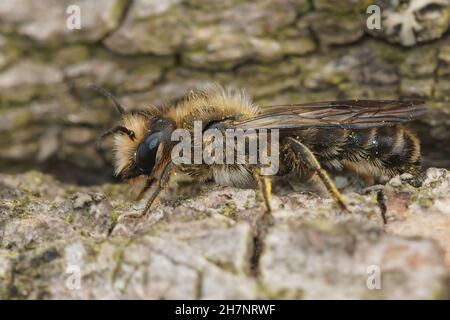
<point x="266" y="188"/>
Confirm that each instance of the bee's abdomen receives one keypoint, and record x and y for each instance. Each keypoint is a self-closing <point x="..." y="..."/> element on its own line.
<point x="375" y="151"/>
<point x="396" y="147"/>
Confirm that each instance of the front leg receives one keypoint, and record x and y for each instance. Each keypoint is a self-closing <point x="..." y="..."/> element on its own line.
<point x="310" y="161"/>
<point x="164" y="178"/>
<point x="148" y="184"/>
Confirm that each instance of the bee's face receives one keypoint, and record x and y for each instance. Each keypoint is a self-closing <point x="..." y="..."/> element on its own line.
<point x="142" y="154"/>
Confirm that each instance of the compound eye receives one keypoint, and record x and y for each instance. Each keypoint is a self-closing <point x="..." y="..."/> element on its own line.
<point x="146" y="153"/>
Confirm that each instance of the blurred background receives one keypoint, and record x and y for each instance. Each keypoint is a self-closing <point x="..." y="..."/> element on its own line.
<point x="150" y="52"/>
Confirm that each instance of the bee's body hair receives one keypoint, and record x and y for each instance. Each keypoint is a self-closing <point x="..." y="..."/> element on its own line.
<point x="212" y="105"/>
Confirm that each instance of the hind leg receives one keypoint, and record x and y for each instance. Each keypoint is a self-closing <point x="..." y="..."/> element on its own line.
<point x="311" y="163"/>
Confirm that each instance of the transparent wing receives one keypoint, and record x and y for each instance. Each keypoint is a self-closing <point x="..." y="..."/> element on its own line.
<point x="351" y="114"/>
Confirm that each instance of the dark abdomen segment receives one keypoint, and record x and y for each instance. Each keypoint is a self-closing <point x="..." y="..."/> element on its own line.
<point x="374" y="152"/>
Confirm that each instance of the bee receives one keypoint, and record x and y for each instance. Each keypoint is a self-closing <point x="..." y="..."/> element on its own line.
<point x="366" y="137"/>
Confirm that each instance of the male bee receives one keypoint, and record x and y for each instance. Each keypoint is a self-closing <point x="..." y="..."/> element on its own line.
<point x="361" y="136"/>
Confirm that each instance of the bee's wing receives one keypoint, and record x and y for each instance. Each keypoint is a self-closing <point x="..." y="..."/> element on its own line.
<point x="351" y="114"/>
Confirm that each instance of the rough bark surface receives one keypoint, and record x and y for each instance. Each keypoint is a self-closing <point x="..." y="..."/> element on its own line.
<point x="216" y="243"/>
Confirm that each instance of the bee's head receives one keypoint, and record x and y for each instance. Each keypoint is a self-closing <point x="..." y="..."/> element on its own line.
<point x="141" y="140"/>
<point x="144" y="145"/>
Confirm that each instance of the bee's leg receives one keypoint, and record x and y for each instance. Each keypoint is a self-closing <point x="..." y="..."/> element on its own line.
<point x="313" y="164"/>
<point x="266" y="188"/>
<point x="148" y="185"/>
<point x="162" y="182"/>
